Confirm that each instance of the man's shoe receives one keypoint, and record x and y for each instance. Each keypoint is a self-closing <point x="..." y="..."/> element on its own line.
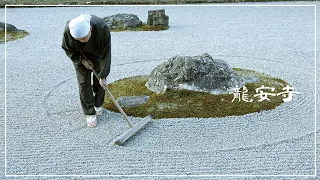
<point x="99" y="110"/>
<point x="91" y="120"/>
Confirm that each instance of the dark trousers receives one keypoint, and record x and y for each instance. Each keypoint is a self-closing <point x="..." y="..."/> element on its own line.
<point x="90" y="95"/>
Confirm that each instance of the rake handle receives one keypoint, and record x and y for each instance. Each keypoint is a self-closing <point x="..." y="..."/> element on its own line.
<point x="111" y="96"/>
<point x="114" y="101"/>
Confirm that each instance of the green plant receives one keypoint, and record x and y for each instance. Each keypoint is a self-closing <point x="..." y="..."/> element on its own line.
<point x="12" y="35"/>
<point x="141" y="28"/>
<point x="185" y="103"/>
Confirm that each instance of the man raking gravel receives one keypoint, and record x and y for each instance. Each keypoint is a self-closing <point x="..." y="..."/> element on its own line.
<point x="87" y="43"/>
<point x="89" y="34"/>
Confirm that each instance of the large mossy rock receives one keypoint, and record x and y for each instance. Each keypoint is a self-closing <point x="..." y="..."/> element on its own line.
<point x="10" y="27"/>
<point x="122" y="21"/>
<point x="197" y="73"/>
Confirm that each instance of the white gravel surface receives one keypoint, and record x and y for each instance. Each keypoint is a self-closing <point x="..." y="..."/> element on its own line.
<point x="46" y="132"/>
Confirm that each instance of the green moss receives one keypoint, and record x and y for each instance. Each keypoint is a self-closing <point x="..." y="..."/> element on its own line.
<point x="141" y="28"/>
<point x="185" y="103"/>
<point x="11" y="36"/>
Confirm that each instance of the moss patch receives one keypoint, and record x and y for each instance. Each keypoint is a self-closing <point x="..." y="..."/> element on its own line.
<point x="185" y="103"/>
<point x="141" y="28"/>
<point x="11" y="36"/>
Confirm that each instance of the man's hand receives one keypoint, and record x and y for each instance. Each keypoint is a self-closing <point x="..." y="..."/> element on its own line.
<point x="103" y="82"/>
<point x="87" y="63"/>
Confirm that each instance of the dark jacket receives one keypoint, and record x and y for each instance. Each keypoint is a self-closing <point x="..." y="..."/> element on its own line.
<point x="97" y="49"/>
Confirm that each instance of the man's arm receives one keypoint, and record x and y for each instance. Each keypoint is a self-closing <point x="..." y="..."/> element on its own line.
<point x="105" y="53"/>
<point x="71" y="52"/>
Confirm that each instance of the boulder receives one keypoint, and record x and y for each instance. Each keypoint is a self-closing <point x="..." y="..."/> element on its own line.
<point x="132" y="101"/>
<point x="10" y="27"/>
<point x="122" y="21"/>
<point x="158" y="17"/>
<point x="197" y="73"/>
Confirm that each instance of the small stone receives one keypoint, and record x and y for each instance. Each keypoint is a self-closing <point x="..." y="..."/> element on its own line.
<point x="249" y="79"/>
<point x="132" y="101"/>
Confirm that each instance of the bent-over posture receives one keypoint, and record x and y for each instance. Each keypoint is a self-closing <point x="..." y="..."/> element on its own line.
<point x="89" y="36"/>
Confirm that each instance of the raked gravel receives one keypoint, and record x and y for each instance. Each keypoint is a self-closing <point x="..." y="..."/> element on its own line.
<point x="46" y="133"/>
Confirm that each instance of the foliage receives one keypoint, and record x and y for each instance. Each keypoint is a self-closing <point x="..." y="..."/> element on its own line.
<point x="185" y="103"/>
<point x="12" y="36"/>
<point x="141" y="28"/>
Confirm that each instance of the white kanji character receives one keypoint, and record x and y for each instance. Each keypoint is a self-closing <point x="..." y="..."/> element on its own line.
<point x="245" y="95"/>
<point x="264" y="96"/>
<point x="288" y="93"/>
<point x="236" y="94"/>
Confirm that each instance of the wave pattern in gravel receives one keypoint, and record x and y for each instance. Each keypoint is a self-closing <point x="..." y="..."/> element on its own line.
<point x="46" y="131"/>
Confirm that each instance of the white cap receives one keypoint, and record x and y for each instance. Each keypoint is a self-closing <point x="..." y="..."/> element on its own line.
<point x="80" y="26"/>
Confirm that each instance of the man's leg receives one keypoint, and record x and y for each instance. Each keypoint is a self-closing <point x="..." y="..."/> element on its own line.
<point x="99" y="92"/>
<point x="85" y="89"/>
